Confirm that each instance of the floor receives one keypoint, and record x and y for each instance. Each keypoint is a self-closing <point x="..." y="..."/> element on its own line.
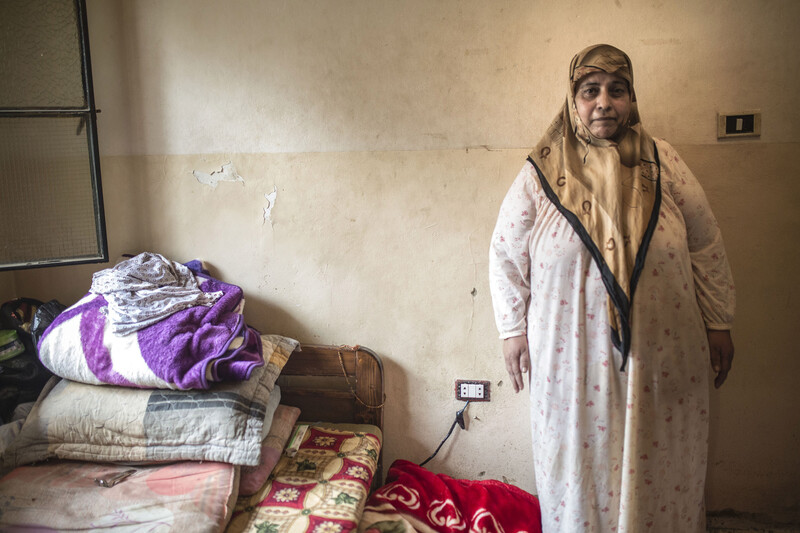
<point x="732" y="522"/>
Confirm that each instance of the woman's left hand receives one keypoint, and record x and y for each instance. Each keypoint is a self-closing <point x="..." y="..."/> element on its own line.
<point x="721" y="346"/>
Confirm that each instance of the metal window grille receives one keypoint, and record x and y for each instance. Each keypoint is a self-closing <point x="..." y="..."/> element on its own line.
<point x="51" y="203"/>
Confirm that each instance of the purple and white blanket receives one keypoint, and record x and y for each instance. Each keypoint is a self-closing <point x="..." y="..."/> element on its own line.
<point x="189" y="349"/>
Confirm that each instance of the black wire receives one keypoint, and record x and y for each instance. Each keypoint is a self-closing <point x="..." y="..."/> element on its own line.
<point x="460" y="421"/>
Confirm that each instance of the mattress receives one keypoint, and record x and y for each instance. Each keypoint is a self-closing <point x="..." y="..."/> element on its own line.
<point x="322" y="488"/>
<point x="63" y="496"/>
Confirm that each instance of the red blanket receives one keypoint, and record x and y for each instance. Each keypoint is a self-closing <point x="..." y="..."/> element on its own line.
<point x="415" y="499"/>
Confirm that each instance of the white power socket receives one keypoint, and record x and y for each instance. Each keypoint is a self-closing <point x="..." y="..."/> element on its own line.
<point x="472" y="390"/>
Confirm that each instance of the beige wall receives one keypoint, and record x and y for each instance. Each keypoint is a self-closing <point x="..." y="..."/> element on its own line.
<point x="391" y="131"/>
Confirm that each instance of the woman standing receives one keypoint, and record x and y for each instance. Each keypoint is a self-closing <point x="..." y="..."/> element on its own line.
<point x="611" y="286"/>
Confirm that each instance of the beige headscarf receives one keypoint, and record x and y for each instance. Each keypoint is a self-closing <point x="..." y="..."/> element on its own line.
<point x="608" y="190"/>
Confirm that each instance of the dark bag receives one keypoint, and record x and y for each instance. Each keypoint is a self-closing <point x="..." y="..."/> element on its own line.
<point x="43" y="317"/>
<point x="23" y="377"/>
<point x="17" y="314"/>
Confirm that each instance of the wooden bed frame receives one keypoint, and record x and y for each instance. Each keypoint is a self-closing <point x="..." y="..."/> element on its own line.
<point x="341" y="384"/>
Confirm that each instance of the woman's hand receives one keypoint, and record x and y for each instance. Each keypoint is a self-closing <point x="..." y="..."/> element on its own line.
<point x="518" y="361"/>
<point x="720" y="345"/>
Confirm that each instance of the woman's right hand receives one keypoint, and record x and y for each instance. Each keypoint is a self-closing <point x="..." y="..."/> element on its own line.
<point x="518" y="361"/>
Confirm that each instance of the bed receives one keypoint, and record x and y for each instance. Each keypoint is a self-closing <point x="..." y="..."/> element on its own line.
<point x="330" y="410"/>
<point x="324" y="486"/>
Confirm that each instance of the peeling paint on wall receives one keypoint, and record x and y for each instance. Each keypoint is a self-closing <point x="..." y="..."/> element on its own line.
<point x="270" y="204"/>
<point x="226" y="173"/>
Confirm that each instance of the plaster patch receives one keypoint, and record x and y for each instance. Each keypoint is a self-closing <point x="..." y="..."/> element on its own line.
<point x="226" y="173"/>
<point x="270" y="204"/>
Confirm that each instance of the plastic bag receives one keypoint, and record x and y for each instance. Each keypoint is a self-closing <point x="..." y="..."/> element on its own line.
<point x="43" y="317"/>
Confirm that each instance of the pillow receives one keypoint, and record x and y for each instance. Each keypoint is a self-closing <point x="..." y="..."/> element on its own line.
<point x="120" y="424"/>
<point x="272" y="405"/>
<point x="253" y="477"/>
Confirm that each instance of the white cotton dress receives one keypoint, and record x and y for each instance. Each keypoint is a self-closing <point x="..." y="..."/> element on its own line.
<point x="615" y="451"/>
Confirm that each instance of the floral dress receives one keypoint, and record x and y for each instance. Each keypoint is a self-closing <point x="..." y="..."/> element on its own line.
<point x="615" y="450"/>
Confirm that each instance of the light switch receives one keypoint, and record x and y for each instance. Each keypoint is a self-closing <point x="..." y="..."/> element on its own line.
<point x="741" y="124"/>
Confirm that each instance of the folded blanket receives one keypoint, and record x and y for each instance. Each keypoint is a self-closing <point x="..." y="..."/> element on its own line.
<point x="417" y="500"/>
<point x="186" y="350"/>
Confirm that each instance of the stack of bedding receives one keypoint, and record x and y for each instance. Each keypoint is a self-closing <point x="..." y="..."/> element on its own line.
<point x="320" y="485"/>
<point x="163" y="394"/>
<point x="165" y="410"/>
<point x="226" y="423"/>
<point x="184" y="480"/>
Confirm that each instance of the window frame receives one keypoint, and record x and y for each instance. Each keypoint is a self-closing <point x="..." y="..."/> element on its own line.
<point x="88" y="114"/>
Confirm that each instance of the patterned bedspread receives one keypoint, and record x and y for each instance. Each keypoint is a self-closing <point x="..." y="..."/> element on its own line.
<point x="322" y="489"/>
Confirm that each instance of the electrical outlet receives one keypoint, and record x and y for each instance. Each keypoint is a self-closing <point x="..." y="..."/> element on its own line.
<point x="472" y="390"/>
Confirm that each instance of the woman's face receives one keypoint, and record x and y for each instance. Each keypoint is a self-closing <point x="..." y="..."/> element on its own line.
<point x="604" y="103"/>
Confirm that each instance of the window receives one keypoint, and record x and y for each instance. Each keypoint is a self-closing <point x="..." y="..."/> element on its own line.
<point x="51" y="204"/>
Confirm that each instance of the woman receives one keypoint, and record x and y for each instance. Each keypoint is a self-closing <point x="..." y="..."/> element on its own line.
<point x="611" y="286"/>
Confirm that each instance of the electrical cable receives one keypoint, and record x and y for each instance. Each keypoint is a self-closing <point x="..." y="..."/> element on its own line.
<point x="460" y="421"/>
